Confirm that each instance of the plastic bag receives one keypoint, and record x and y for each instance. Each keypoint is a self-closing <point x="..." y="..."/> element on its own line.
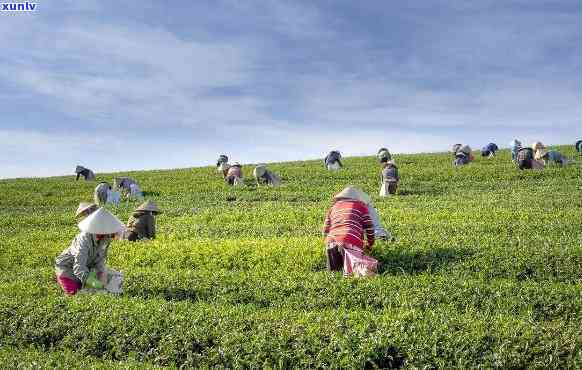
<point x="92" y="282"/>
<point x="358" y="264"/>
<point x="333" y="166"/>
<point x="384" y="190"/>
<point x="114" y="282"/>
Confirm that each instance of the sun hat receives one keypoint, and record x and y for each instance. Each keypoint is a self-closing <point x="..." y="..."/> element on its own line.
<point x="351" y="192"/>
<point x="515" y="143"/>
<point x="79" y="169"/>
<point x="101" y="222"/>
<point x="537" y="145"/>
<point x="84" y="206"/>
<point x="149" y="206"/>
<point x="260" y="170"/>
<point x="236" y="164"/>
<point x="455" y="148"/>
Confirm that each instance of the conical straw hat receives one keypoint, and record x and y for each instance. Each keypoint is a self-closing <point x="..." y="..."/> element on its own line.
<point x="351" y="192"/>
<point x="149" y="206"/>
<point x="537" y="145"/>
<point x="101" y="222"/>
<point x="84" y="206"/>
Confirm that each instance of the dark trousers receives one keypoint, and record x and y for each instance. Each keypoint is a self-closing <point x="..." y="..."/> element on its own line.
<point x="392" y="186"/>
<point x="335" y="258"/>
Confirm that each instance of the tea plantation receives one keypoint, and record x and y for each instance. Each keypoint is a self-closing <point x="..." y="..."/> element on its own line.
<point x="486" y="270"/>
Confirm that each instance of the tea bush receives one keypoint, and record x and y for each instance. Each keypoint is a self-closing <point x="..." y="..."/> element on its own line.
<point x="485" y="271"/>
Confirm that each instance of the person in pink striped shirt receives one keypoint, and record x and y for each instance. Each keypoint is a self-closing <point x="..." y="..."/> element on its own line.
<point x="347" y="223"/>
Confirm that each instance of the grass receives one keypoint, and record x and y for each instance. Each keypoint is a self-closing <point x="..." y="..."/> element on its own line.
<point x="486" y="271"/>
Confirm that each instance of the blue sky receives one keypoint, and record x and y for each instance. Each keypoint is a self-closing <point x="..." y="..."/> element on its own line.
<point x="166" y="84"/>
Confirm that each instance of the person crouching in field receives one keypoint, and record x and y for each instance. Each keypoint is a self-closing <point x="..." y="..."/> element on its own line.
<point x="389" y="178"/>
<point x="222" y="163"/>
<point x="333" y="161"/>
<point x="525" y="160"/>
<point x="87" y="174"/>
<point x="128" y="187"/>
<point x="88" y="253"/>
<point x="142" y="224"/>
<point x="265" y="176"/>
<point x="551" y="157"/>
<point x="515" y="145"/>
<point x="101" y="192"/>
<point x="489" y="150"/>
<point x="233" y="175"/>
<point x="346" y="223"/>
<point x="463" y="156"/>
<point x="85" y="209"/>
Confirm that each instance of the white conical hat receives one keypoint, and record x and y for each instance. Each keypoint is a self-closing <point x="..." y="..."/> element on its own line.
<point x="351" y="192"/>
<point x="260" y="170"/>
<point x="83" y="206"/>
<point x="149" y="206"/>
<point x="101" y="222"/>
<point x="537" y="145"/>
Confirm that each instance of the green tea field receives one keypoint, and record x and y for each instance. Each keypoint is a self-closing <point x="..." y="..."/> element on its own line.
<point x="485" y="271"/>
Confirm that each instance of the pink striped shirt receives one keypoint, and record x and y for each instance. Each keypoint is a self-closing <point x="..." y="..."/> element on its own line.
<point x="347" y="221"/>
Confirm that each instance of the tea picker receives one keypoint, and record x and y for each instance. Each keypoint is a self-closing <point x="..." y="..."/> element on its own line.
<point x="101" y="193"/>
<point x="332" y="161"/>
<point x="552" y="157"/>
<point x="87" y="174"/>
<point x="265" y="176"/>
<point x="222" y="163"/>
<point x="347" y="223"/>
<point x="142" y="224"/>
<point x="234" y="175"/>
<point x="88" y="253"/>
<point x="489" y="150"/>
<point x="463" y="156"/>
<point x="455" y="148"/>
<point x="129" y="187"/>
<point x="525" y="160"/>
<point x="389" y="178"/>
<point x="515" y="145"/>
